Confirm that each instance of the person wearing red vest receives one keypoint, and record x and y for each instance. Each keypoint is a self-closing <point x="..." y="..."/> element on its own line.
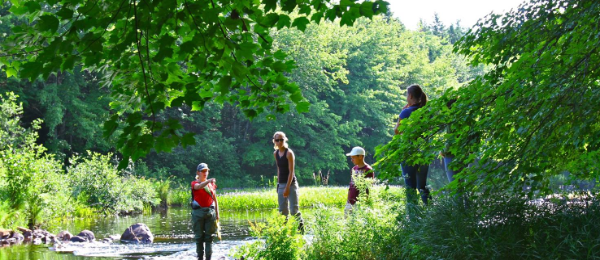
<point x="204" y="216"/>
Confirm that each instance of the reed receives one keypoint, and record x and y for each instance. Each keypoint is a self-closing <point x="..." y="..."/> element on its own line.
<point x="260" y="199"/>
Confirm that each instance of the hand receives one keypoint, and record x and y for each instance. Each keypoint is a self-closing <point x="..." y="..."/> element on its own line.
<point x="286" y="192"/>
<point x="212" y="180"/>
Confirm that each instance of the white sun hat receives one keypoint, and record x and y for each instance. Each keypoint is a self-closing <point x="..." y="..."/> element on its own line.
<point x="356" y="151"/>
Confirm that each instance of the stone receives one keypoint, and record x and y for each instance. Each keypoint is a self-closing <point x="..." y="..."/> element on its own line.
<point x="138" y="233"/>
<point x="88" y="235"/>
<point x="64" y="235"/>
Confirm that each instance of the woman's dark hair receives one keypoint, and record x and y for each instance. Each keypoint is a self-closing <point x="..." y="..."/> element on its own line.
<point x="417" y="93"/>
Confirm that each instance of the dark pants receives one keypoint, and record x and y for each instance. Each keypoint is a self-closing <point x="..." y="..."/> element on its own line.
<point x="204" y="227"/>
<point x="415" y="177"/>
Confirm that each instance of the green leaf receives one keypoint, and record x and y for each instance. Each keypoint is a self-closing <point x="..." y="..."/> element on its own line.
<point x="280" y="55"/>
<point x="305" y="10"/>
<point x="48" y="23"/>
<point x="33" y="6"/>
<point x="270" y="5"/>
<point x="124" y="163"/>
<point x="350" y="16"/>
<point x="250" y="113"/>
<point x="110" y="126"/>
<point x="301" y="23"/>
<point x="296" y="97"/>
<point x="284" y="21"/>
<point x="68" y="63"/>
<point x="188" y="140"/>
<point x="177" y="102"/>
<point x="302" y="107"/>
<point x="224" y="85"/>
<point x="11" y="72"/>
<point x="345" y="3"/>
<point x="288" y="5"/>
<point x="270" y="20"/>
<point x="65" y="13"/>
<point x="31" y="70"/>
<point x="18" y="10"/>
<point x="366" y="9"/>
<point x="316" y="17"/>
<point x="162" y="54"/>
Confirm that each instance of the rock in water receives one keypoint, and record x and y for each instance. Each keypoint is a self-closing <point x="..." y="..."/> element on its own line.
<point x="137" y="233"/>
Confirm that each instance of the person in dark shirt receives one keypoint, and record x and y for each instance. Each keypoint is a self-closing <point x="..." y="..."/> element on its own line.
<point x="415" y="176"/>
<point x="287" y="185"/>
<point x="357" y="155"/>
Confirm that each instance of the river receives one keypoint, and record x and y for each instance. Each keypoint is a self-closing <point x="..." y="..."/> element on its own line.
<point x="173" y="238"/>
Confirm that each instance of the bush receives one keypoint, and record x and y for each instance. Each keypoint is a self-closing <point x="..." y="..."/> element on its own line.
<point x="32" y="181"/>
<point x="277" y="239"/>
<point x="96" y="182"/>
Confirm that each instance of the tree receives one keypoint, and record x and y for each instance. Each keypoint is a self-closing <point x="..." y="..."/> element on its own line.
<point x="534" y="115"/>
<point x="164" y="53"/>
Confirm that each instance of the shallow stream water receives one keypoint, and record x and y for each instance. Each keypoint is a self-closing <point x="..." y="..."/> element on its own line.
<point x="173" y="238"/>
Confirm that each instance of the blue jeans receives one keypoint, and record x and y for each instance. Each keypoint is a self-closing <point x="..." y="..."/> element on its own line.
<point x="460" y="197"/>
<point x="450" y="173"/>
<point x="415" y="177"/>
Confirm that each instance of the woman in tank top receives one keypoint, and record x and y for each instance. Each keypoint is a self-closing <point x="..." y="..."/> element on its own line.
<point x="287" y="185"/>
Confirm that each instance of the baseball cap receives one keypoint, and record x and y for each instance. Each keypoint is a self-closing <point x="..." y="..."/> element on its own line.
<point x="202" y="166"/>
<point x="356" y="151"/>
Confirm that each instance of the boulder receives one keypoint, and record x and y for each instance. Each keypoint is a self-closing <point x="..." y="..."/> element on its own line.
<point x="88" y="235"/>
<point x="18" y="237"/>
<point x="78" y="239"/>
<point x="137" y="233"/>
<point x="5" y="233"/>
<point x="27" y="233"/>
<point x="37" y="241"/>
<point x="64" y="235"/>
<point x="50" y="239"/>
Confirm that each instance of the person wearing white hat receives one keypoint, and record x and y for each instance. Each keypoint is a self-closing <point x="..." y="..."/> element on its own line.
<point x="357" y="155"/>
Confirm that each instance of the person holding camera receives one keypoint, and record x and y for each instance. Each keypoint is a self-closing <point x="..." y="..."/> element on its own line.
<point x="205" y="211"/>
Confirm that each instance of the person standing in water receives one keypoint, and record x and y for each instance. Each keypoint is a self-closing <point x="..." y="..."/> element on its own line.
<point x="205" y="214"/>
<point x="287" y="185"/>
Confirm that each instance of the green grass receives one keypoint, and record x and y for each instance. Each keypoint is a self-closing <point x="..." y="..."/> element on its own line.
<point x="260" y="199"/>
<point x="493" y="227"/>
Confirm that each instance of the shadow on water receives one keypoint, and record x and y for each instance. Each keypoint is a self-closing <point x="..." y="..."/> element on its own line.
<point x="173" y="238"/>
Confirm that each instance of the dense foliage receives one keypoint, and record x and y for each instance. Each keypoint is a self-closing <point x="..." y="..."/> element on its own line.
<point x="354" y="80"/>
<point x="533" y="116"/>
<point x="158" y="54"/>
<point x="35" y="189"/>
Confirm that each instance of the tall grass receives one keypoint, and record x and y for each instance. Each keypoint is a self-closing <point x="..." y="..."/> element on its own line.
<point x="505" y="227"/>
<point x="494" y="227"/>
<point x="259" y="199"/>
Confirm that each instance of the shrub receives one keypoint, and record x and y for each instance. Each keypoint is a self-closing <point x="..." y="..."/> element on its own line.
<point x="277" y="239"/>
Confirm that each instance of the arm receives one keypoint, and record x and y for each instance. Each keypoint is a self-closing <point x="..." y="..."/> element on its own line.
<point x="203" y="184"/>
<point x="397" y="125"/>
<point x="291" y="160"/>
<point x="275" y="156"/>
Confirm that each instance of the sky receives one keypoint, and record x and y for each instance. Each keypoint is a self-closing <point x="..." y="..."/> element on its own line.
<point x="449" y="11"/>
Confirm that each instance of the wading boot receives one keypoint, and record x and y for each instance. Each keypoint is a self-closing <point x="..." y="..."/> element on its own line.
<point x="208" y="250"/>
